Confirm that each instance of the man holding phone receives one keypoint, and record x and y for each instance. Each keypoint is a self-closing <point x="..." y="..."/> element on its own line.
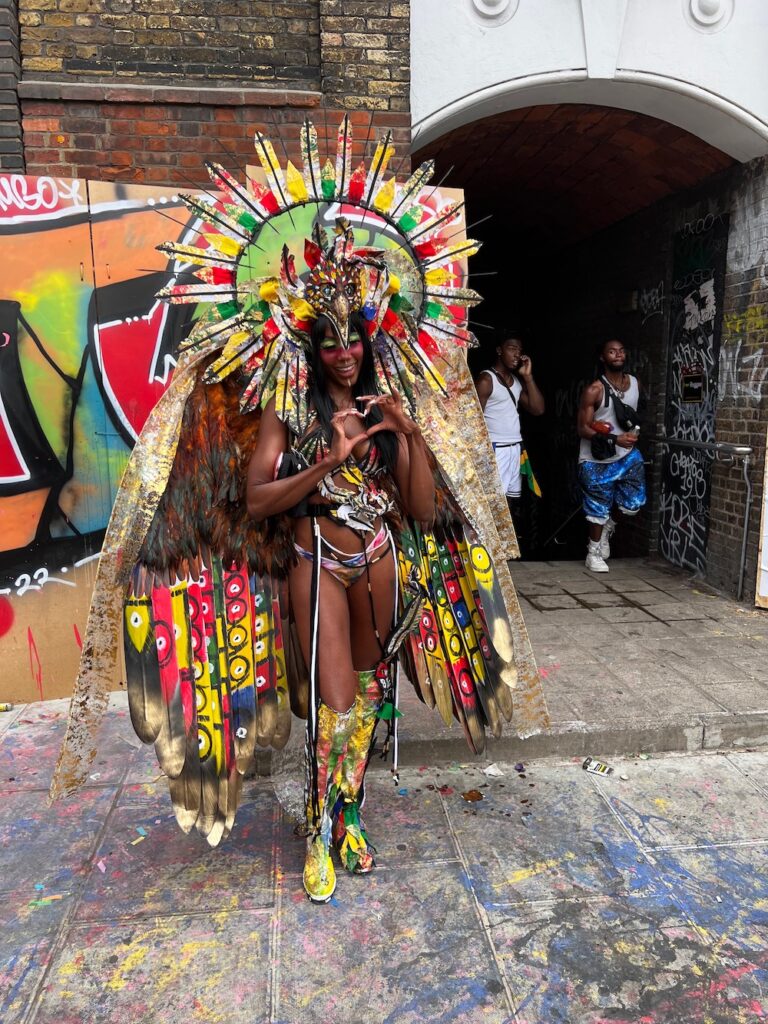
<point x="503" y="390"/>
<point x="611" y="469"/>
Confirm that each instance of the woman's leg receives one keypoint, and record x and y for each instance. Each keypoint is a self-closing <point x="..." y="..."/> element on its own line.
<point x="336" y="716"/>
<point x="371" y="611"/>
<point x="337" y="681"/>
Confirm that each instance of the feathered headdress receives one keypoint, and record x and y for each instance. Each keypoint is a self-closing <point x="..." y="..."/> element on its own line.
<point x="258" y="306"/>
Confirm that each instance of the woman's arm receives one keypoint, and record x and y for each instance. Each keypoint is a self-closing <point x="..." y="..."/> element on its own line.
<point x="266" y="496"/>
<point x="413" y="473"/>
<point x="414" y="477"/>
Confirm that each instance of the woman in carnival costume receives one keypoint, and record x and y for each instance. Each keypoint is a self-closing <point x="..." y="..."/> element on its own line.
<point x="304" y="513"/>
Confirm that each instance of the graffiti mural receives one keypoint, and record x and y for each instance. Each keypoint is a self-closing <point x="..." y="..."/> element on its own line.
<point x="85" y="352"/>
<point x="692" y="389"/>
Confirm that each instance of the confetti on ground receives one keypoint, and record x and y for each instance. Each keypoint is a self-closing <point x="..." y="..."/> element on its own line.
<point x="44" y="901"/>
<point x="493" y="770"/>
<point x="135" y="842"/>
<point x="472" y="796"/>
<point x="101" y="866"/>
<point x="141" y="831"/>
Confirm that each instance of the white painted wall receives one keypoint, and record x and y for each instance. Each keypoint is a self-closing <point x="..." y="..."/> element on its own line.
<point x="699" y="64"/>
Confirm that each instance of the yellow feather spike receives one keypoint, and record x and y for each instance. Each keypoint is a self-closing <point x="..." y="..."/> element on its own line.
<point x="227" y="246"/>
<point x="394" y="285"/>
<point x="295" y="184"/>
<point x="270" y="290"/>
<point x="234" y="343"/>
<point x="303" y="311"/>
<point x="385" y="196"/>
<point x="438" y="276"/>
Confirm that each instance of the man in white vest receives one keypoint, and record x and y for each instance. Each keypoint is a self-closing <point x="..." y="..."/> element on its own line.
<point x="503" y="390"/>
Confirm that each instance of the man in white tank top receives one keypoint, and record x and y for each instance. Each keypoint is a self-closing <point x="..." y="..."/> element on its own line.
<point x="503" y="390"/>
<point x="611" y="469"/>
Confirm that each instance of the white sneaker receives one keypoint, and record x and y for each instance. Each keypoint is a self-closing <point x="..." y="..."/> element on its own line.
<point x="605" y="538"/>
<point x="595" y="561"/>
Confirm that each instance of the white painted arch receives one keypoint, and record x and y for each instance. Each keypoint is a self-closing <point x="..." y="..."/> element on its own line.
<point x="698" y="64"/>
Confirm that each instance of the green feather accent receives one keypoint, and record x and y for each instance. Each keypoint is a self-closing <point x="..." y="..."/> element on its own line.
<point x="388" y="711"/>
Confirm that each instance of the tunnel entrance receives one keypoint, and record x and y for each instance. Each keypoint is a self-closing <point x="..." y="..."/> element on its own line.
<point x="582" y="244"/>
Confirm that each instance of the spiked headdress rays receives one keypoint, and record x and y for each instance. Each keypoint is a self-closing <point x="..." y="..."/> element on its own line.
<point x="259" y="290"/>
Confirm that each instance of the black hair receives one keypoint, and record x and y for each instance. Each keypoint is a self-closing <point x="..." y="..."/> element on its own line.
<point x="510" y="334"/>
<point x="366" y="384"/>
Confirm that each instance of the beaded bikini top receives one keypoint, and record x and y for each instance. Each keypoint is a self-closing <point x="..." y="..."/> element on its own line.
<point x="357" y="502"/>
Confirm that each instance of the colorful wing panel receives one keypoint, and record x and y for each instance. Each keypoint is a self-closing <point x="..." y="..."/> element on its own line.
<point x="207" y="678"/>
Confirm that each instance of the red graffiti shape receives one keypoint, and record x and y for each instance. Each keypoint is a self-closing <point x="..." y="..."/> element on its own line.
<point x="128" y="357"/>
<point x="34" y="662"/>
<point x="6" y="615"/>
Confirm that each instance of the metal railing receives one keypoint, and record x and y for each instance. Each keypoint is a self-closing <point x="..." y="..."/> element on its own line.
<point x="726" y="454"/>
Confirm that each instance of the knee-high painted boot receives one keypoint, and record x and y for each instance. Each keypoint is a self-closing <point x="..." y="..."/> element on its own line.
<point x="334" y="729"/>
<point x="349" y="835"/>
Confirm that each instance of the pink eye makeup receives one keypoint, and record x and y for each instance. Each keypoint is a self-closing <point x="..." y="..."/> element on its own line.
<point x="331" y="350"/>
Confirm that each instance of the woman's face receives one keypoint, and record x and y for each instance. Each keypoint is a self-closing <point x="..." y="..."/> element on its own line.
<point x="341" y="365"/>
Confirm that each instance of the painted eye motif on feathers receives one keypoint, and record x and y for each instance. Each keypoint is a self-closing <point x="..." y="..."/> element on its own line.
<point x="204" y="741"/>
<point x="236" y="610"/>
<point x="238" y="669"/>
<point x="237" y="636"/>
<point x="163" y="639"/>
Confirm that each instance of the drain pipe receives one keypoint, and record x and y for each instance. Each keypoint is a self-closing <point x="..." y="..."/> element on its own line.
<point x="745" y="534"/>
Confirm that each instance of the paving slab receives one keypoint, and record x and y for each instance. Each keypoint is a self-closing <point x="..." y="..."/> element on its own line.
<point x="547" y="831"/>
<point x="178" y="969"/>
<point x="398" y="946"/>
<point x="30" y="830"/>
<point x="145" y="866"/>
<point x="591" y="962"/>
<point x="27" y="935"/>
<point x="686" y="801"/>
<point x="624" y="614"/>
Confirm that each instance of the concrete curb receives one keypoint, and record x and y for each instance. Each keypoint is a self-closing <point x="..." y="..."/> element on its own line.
<point x="568" y="740"/>
<point x="601" y="739"/>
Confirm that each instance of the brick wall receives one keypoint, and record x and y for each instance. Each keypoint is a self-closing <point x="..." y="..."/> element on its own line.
<point x="177" y="40"/>
<point x="91" y="115"/>
<point x="11" y="149"/>
<point x="742" y="416"/>
<point x="366" y="54"/>
<point x="167" y="142"/>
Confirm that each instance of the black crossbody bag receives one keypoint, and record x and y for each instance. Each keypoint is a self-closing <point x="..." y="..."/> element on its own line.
<point x="626" y="416"/>
<point x="603" y="446"/>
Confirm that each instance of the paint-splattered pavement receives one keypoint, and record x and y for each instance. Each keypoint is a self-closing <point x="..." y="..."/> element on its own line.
<point x="557" y="897"/>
